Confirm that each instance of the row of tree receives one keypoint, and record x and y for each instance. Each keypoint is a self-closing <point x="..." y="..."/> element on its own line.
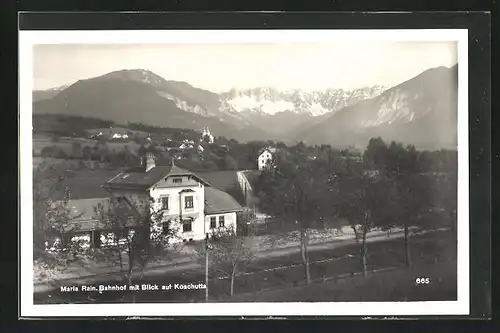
<point x="100" y="152"/>
<point x="388" y="186"/>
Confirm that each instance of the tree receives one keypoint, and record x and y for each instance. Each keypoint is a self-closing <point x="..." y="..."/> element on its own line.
<point x="409" y="197"/>
<point x="446" y="196"/>
<point x="48" y="215"/>
<point x="87" y="153"/>
<point x="376" y="153"/>
<point x="52" y="249"/>
<point x="292" y="193"/>
<point x="362" y="200"/>
<point x="138" y="228"/>
<point x="102" y="151"/>
<point x="227" y="255"/>
<point x="76" y="150"/>
<point x="230" y="163"/>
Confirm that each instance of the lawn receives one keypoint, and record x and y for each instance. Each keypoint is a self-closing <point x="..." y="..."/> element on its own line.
<point x="341" y="261"/>
<point x="390" y="285"/>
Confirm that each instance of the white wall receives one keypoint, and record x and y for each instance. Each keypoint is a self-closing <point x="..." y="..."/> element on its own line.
<point x="229" y="221"/>
<point x="264" y="159"/>
<point x="176" y="204"/>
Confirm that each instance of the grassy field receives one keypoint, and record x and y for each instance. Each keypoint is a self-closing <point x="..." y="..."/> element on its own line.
<point x="390" y="285"/>
<point x="40" y="142"/>
<point x="279" y="274"/>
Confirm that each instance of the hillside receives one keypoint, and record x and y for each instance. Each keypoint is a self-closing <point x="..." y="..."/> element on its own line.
<point x="421" y="111"/>
<point x="136" y="96"/>
<point x="39" y="95"/>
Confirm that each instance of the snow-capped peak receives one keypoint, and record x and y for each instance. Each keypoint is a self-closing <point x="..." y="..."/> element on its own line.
<point x="268" y="100"/>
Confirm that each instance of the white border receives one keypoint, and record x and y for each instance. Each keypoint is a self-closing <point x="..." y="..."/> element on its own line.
<point x="29" y="38"/>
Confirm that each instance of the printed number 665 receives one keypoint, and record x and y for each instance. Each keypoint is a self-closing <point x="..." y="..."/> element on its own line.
<point x="422" y="280"/>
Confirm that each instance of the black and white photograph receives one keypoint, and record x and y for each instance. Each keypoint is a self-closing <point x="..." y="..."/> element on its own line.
<point x="264" y="172"/>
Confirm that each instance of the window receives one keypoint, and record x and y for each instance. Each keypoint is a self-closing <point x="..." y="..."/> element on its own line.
<point x="177" y="180"/>
<point x="187" y="226"/>
<point x="221" y="221"/>
<point x="213" y="222"/>
<point x="188" y="202"/>
<point x="164" y="202"/>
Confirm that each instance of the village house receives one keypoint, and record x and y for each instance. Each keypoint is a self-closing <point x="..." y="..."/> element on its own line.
<point x="265" y="158"/>
<point x="192" y="205"/>
<point x="186" y="144"/>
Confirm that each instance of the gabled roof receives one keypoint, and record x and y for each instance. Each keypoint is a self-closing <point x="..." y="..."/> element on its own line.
<point x="223" y="180"/>
<point x="272" y="150"/>
<point x="217" y="201"/>
<point x="83" y="216"/>
<point x="138" y="179"/>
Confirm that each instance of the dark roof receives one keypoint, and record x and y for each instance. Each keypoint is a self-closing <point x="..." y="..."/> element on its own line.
<point x="137" y="179"/>
<point x="84" y="184"/>
<point x="223" y="180"/>
<point x="83" y="209"/>
<point x="272" y="150"/>
<point x="83" y="215"/>
<point x="217" y="201"/>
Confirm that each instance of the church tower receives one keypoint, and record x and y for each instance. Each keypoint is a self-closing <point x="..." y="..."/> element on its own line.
<point x="206" y="133"/>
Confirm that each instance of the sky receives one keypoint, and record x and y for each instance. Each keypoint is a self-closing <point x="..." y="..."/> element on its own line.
<point x="221" y="67"/>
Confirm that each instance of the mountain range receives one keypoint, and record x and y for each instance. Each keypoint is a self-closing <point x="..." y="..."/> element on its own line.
<point x="421" y="111"/>
<point x="406" y="112"/>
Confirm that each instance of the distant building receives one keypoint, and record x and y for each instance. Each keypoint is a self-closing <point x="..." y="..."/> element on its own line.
<point x="186" y="144"/>
<point x="207" y="136"/>
<point x="265" y="158"/>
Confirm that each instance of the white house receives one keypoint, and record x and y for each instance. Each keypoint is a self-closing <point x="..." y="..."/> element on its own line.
<point x="187" y="200"/>
<point x="265" y="158"/>
<point x="186" y="144"/>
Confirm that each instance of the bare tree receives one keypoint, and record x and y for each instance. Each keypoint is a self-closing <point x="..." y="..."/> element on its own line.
<point x="52" y="246"/>
<point x="227" y="255"/>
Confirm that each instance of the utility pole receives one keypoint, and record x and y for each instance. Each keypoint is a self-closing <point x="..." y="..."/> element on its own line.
<point x="206" y="267"/>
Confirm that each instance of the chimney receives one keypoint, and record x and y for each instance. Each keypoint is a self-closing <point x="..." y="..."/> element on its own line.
<point x="150" y="161"/>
